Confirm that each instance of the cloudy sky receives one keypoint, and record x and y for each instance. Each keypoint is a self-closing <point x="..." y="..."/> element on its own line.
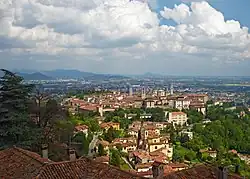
<point x="173" y="37"/>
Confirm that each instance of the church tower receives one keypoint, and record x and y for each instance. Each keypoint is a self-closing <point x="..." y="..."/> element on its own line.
<point x="171" y="89"/>
<point x="143" y="93"/>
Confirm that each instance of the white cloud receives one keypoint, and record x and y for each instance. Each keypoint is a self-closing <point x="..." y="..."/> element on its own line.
<point x="118" y="30"/>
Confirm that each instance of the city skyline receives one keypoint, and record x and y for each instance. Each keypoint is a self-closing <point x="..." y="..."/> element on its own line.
<point x="200" y="38"/>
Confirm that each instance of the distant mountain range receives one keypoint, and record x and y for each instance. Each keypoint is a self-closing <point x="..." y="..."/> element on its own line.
<point x="66" y="74"/>
<point x="34" y="76"/>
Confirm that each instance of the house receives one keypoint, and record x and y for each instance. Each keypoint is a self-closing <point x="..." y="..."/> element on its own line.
<point x="178" y="166"/>
<point x="133" y="132"/>
<point x="23" y="164"/>
<point x="161" y="125"/>
<point x="182" y="103"/>
<point x="143" y="167"/>
<point x="128" y="144"/>
<point x="188" y="133"/>
<point x="105" y="145"/>
<point x="81" y="129"/>
<point x="177" y="118"/>
<point x="198" y="106"/>
<point x="198" y="97"/>
<point x="88" y="108"/>
<point x="160" y="144"/>
<point x="151" y="130"/>
<point x="209" y="152"/>
<point x="107" y="125"/>
<point x="149" y="103"/>
<point x="140" y="156"/>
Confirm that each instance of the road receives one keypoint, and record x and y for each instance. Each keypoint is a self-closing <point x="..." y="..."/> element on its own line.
<point x="92" y="144"/>
<point x="125" y="160"/>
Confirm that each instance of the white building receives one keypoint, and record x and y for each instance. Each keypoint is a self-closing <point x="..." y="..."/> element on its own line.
<point x="177" y="118"/>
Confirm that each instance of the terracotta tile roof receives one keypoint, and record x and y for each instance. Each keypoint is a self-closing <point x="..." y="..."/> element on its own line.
<point x="102" y="159"/>
<point x="22" y="164"/>
<point x="150" y="127"/>
<point x="178" y="165"/>
<point x="199" y="172"/>
<point x="141" y="154"/>
<point x="81" y="127"/>
<point x="89" y="107"/>
<point x="143" y="165"/>
<point x="108" y="124"/>
<point x="177" y="113"/>
<point x="83" y="169"/>
<point x="19" y="163"/>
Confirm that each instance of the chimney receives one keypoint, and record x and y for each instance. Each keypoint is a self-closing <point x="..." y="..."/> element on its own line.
<point x="223" y="173"/>
<point x="45" y="151"/>
<point x="72" y="155"/>
<point x="158" y="170"/>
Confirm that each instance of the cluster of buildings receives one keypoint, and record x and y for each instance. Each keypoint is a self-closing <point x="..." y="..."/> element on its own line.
<point x="145" y="146"/>
<point x="110" y="101"/>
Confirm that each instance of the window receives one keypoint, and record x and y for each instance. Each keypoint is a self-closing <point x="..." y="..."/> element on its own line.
<point x="154" y="141"/>
<point x="155" y="147"/>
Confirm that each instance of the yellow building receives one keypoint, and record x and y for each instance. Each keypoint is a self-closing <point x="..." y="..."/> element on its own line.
<point x="160" y="143"/>
<point x="107" y="125"/>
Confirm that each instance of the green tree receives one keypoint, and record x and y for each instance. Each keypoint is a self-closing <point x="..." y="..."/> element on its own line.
<point x="101" y="150"/>
<point x="115" y="158"/>
<point x="85" y="144"/>
<point x="16" y="127"/>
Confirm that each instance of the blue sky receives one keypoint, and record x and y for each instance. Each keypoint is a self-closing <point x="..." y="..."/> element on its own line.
<point x="119" y="36"/>
<point x="232" y="9"/>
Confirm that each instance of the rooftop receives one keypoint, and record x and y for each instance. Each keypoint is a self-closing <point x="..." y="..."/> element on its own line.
<point x="84" y="169"/>
<point x="20" y="163"/>
<point x="23" y="164"/>
<point x="177" y="113"/>
<point x="199" y="172"/>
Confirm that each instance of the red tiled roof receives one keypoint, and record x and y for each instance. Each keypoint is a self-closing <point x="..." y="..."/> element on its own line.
<point x="83" y="169"/>
<point x="22" y="164"/>
<point x="108" y="124"/>
<point x="143" y="165"/>
<point x="89" y="107"/>
<point x="19" y="163"/>
<point x="102" y="159"/>
<point x="81" y="127"/>
<point x="177" y="113"/>
<point x="198" y="172"/>
<point x="150" y="127"/>
<point x="178" y="165"/>
<point x="141" y="154"/>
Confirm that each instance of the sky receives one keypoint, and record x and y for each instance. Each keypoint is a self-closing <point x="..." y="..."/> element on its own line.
<point x="171" y="37"/>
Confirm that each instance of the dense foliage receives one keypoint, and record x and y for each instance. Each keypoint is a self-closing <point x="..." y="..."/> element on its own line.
<point x="16" y="128"/>
<point x="28" y="119"/>
<point x="227" y="130"/>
